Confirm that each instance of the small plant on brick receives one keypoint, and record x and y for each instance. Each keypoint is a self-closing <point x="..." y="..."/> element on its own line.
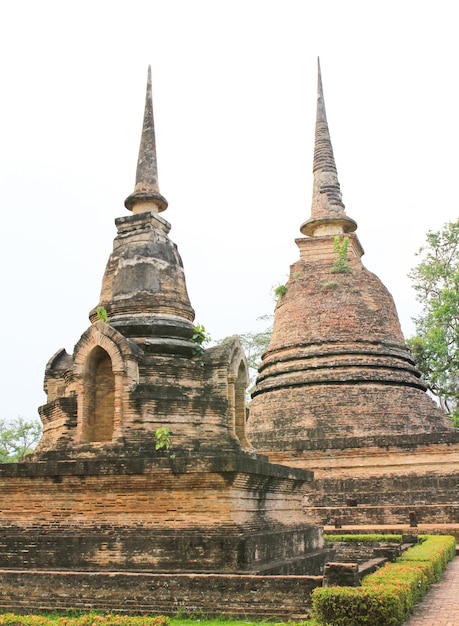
<point x="329" y="284"/>
<point x="280" y="291"/>
<point x="199" y="338"/>
<point x="163" y="438"/>
<point x="340" y="264"/>
<point x="102" y="314"/>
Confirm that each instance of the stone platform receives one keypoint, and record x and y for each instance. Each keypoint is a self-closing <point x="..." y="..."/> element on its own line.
<point x="233" y="514"/>
<point x="243" y="596"/>
<point x="395" y="529"/>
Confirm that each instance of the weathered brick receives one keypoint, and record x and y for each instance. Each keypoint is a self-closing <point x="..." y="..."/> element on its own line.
<point x="337" y="390"/>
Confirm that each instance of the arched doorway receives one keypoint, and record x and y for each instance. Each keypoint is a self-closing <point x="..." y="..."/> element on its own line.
<point x="239" y="404"/>
<point x="237" y="383"/>
<point x="99" y="397"/>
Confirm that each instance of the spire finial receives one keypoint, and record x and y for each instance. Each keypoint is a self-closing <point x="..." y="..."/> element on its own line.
<point x="146" y="196"/>
<point x="327" y="213"/>
<point x="321" y="115"/>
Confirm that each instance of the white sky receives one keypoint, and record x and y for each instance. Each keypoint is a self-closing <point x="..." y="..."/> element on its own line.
<point x="234" y="89"/>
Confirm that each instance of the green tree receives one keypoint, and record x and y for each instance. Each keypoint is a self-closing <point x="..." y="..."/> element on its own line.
<point x="254" y="344"/>
<point x="18" y="438"/>
<point x="435" y="346"/>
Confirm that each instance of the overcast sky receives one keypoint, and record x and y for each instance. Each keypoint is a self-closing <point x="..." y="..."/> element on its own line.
<point x="234" y="89"/>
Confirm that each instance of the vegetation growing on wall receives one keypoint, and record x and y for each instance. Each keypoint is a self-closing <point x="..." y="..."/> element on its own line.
<point x="102" y="314"/>
<point x="280" y="291"/>
<point x="200" y="337"/>
<point x="340" y="246"/>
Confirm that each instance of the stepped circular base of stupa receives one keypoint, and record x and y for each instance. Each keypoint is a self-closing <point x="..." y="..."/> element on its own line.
<point x="337" y="415"/>
<point x="337" y="374"/>
<point x="351" y="429"/>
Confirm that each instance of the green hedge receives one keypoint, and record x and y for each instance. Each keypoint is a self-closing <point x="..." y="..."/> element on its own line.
<point x="387" y="596"/>
<point x="373" y="538"/>
<point x="436" y="549"/>
<point x="353" y="606"/>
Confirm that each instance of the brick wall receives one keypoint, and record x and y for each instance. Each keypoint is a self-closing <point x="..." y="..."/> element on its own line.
<point x="337" y="367"/>
<point x="119" y="394"/>
<point x="385" y="499"/>
<point x="353" y="551"/>
<point x="260" y="597"/>
<point x="211" y="513"/>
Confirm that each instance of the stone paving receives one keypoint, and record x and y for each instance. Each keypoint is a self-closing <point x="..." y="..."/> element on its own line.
<point x="440" y="606"/>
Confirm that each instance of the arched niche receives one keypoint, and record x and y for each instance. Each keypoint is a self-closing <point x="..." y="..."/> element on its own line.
<point x="240" y="403"/>
<point x="98" y="397"/>
<point x="105" y="370"/>
<point x="238" y="380"/>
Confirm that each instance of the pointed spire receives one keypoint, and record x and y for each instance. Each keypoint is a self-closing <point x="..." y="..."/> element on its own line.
<point x="146" y="196"/>
<point x="327" y="212"/>
<point x="321" y="115"/>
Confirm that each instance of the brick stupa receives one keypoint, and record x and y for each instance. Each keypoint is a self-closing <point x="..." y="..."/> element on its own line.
<point x="337" y="390"/>
<point x="97" y="493"/>
<point x="140" y="370"/>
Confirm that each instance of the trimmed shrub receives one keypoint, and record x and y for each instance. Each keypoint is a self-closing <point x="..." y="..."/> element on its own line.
<point x="435" y="549"/>
<point x="357" y="606"/>
<point x="410" y="581"/>
<point x="387" y="596"/>
<point x="359" y="538"/>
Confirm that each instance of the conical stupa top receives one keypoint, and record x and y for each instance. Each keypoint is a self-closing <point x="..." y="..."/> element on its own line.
<point x="146" y="196"/>
<point x="327" y="212"/>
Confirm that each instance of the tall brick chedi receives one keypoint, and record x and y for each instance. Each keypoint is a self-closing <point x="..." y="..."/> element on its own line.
<point x="337" y="377"/>
<point x="136" y="368"/>
<point x="103" y="491"/>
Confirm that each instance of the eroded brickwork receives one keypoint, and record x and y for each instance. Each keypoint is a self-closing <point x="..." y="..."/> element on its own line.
<point x="337" y="365"/>
<point x="222" y="527"/>
<point x="286" y="597"/>
<point x="338" y="391"/>
<point x="103" y="490"/>
<point x="228" y="514"/>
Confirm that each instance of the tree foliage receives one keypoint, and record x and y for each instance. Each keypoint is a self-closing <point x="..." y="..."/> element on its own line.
<point x="435" y="346"/>
<point x="254" y="344"/>
<point x="18" y="438"/>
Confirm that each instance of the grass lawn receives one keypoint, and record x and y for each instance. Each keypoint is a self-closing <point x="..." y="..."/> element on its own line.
<point x="101" y="619"/>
